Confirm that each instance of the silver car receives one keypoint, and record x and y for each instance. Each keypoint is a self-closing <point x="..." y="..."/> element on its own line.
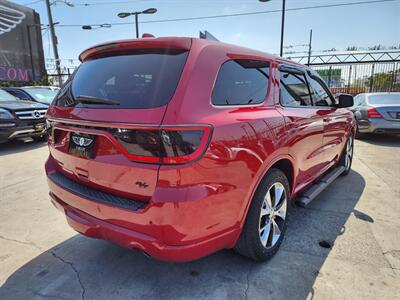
<point x="377" y="113"/>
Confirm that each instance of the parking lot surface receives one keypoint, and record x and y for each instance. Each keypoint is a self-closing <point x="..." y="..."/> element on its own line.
<point x="42" y="258"/>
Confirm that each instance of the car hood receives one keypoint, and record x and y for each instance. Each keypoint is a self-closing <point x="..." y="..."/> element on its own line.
<point x="19" y="104"/>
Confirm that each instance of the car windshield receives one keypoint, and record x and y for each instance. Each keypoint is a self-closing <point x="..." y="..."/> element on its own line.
<point x="43" y="95"/>
<point x="384" y="99"/>
<point x="4" y="96"/>
<point x="146" y="79"/>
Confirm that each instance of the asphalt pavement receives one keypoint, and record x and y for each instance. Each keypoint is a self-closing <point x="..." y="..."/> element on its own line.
<point x="358" y="215"/>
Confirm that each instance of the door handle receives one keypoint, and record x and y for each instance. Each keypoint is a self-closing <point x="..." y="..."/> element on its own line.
<point x="327" y="119"/>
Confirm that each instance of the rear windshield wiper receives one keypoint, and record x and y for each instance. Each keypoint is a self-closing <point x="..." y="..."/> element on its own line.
<point x="94" y="100"/>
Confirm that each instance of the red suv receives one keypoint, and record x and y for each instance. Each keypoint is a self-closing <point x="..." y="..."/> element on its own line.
<point x="180" y="147"/>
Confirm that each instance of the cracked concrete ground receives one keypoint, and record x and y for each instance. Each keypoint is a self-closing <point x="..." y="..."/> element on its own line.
<point x="41" y="257"/>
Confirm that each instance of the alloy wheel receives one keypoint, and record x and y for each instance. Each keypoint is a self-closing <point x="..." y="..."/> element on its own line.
<point x="272" y="215"/>
<point x="349" y="153"/>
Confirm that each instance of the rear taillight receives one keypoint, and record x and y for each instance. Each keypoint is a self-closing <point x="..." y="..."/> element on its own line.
<point x="164" y="145"/>
<point x="374" y="114"/>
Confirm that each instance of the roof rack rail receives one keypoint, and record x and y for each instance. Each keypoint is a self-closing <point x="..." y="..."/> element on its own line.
<point x="207" y="36"/>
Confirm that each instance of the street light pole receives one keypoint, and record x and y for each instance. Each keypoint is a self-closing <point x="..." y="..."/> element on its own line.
<point x="137" y="24"/>
<point x="137" y="13"/>
<point x="54" y="42"/>
<point x="282" y="23"/>
<point x="309" y="48"/>
<point x="282" y="26"/>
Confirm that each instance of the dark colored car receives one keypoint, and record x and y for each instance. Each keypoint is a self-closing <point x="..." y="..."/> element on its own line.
<point x="180" y="147"/>
<point x="377" y="113"/>
<point x="19" y="119"/>
<point x="41" y="94"/>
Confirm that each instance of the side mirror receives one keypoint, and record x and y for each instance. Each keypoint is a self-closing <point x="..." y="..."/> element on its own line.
<point x="345" y="100"/>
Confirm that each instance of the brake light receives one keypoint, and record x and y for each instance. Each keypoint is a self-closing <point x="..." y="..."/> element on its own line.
<point x="164" y="145"/>
<point x="374" y="114"/>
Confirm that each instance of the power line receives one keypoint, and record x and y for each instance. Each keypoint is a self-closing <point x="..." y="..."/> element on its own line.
<point x="109" y="3"/>
<point x="241" y="14"/>
<point x="34" y="2"/>
<point x="95" y="3"/>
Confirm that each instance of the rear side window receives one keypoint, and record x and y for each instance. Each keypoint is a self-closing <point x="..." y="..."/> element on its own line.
<point x="293" y="89"/>
<point x="145" y="79"/>
<point x="241" y="82"/>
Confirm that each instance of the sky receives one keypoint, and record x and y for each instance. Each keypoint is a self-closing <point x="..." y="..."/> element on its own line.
<point x="336" y="27"/>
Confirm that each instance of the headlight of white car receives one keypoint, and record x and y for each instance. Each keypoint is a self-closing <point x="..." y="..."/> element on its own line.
<point x="5" y="115"/>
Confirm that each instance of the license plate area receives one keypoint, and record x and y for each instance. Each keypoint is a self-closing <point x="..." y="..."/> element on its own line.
<point x="81" y="145"/>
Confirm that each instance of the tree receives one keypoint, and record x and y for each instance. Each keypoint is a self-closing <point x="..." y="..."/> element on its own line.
<point x="383" y="82"/>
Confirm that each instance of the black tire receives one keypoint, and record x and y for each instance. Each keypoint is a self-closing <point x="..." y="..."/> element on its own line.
<point x="342" y="161"/>
<point x="249" y="243"/>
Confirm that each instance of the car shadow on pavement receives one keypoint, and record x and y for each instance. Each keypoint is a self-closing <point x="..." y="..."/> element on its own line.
<point x="17" y="146"/>
<point x="86" y="268"/>
<point x="382" y="140"/>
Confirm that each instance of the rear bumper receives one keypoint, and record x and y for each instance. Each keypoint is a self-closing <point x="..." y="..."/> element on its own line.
<point x="96" y="228"/>
<point x="177" y="231"/>
<point x="379" y="126"/>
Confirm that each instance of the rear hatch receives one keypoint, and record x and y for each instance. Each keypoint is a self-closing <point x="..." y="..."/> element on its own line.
<point x="105" y="120"/>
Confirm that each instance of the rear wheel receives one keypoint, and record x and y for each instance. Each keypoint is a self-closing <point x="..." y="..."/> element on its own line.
<point x="347" y="156"/>
<point x="265" y="224"/>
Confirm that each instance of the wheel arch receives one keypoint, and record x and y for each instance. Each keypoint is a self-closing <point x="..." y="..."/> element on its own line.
<point x="286" y="166"/>
<point x="284" y="163"/>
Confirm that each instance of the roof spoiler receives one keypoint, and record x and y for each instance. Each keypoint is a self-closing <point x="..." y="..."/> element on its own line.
<point x="144" y="43"/>
<point x="207" y="36"/>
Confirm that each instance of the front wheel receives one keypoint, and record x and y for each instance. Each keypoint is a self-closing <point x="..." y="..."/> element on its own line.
<point x="347" y="156"/>
<point x="265" y="225"/>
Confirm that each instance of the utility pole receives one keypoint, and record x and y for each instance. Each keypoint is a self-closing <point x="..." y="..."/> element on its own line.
<point x="282" y="26"/>
<point x="54" y="42"/>
<point x="309" y="48"/>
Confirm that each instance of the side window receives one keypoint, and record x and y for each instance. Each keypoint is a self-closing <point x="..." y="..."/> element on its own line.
<point x="319" y="94"/>
<point x="294" y="89"/>
<point x="241" y="82"/>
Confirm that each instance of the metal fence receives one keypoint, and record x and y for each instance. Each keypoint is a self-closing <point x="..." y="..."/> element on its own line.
<point x="348" y="72"/>
<point x="359" y="72"/>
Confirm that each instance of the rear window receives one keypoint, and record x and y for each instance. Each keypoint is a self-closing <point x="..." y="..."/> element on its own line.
<point x="241" y="82"/>
<point x="384" y="99"/>
<point x="139" y="80"/>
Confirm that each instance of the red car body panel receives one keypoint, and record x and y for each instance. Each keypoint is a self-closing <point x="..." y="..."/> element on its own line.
<point x="200" y="207"/>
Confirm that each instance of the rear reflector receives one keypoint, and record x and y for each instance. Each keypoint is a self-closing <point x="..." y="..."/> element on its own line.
<point x="374" y="114"/>
<point x="165" y="145"/>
